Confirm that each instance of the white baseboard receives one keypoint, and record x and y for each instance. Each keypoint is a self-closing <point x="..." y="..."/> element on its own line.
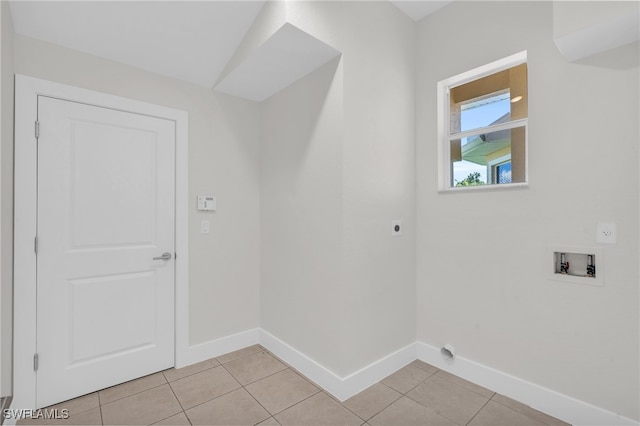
<point x="214" y="348"/>
<point x="340" y="387"/>
<point x="546" y="400"/>
<point x="378" y="370"/>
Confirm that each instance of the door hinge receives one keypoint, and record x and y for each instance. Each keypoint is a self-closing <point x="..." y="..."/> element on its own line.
<point x="35" y="362"/>
<point x="37" y="129"/>
<point x="175" y="256"/>
<point x="35" y="244"/>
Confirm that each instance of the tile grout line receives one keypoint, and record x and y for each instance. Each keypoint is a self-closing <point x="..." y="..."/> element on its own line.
<point x="405" y="393"/>
<point x="299" y="402"/>
<point x="176" y="397"/>
<point x="256" y="400"/>
<point x="452" y="383"/>
<point x="445" y="377"/>
<point x="192" y="374"/>
<point x="265" y="377"/>
<point x="243" y="387"/>
<point x="388" y="405"/>
<point x="478" y="412"/>
<point x="520" y="411"/>
<point x="100" y="407"/>
<point x="354" y="413"/>
<point x="209" y="400"/>
<point x="186" y="416"/>
<point x="262" y="378"/>
<point x="132" y="394"/>
<point x="179" y="403"/>
<point x="240" y="357"/>
<point x="220" y="364"/>
<point x="294" y="371"/>
<point x="431" y="374"/>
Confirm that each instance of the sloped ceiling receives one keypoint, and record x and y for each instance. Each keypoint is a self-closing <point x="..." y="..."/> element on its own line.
<point x="187" y="40"/>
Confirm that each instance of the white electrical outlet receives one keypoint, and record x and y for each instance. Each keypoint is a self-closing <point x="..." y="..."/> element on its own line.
<point x="396" y="228"/>
<point x="606" y="233"/>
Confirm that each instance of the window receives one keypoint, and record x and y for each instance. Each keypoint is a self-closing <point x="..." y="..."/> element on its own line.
<point x="482" y="126"/>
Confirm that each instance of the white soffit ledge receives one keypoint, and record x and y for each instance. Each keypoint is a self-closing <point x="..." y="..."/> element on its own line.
<point x="288" y="55"/>
<point x="599" y="38"/>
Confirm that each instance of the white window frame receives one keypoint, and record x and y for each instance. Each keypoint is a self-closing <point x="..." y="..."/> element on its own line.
<point x="444" y="137"/>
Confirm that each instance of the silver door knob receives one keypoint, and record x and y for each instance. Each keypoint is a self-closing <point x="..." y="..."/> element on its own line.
<point x="165" y="256"/>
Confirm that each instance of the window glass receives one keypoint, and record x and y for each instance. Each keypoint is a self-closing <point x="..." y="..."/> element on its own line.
<point x="486" y="119"/>
<point x="503" y="172"/>
<point x="484" y="111"/>
<point x="466" y="173"/>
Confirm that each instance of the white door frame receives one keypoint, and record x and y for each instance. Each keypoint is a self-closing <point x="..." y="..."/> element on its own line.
<point x="27" y="89"/>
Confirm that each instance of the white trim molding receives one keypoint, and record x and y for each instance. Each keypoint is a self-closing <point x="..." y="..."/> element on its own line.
<point x="535" y="396"/>
<point x="26" y="108"/>
<point x="538" y="397"/>
<point x="342" y="388"/>
<point x="215" y="348"/>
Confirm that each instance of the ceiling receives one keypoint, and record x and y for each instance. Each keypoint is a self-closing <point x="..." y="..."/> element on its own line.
<point x="187" y="40"/>
<point x="417" y="9"/>
<point x="191" y="41"/>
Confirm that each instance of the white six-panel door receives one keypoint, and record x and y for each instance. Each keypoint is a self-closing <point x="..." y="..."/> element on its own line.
<point x="106" y="208"/>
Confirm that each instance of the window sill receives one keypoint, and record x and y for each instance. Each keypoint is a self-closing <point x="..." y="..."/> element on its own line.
<point x="493" y="187"/>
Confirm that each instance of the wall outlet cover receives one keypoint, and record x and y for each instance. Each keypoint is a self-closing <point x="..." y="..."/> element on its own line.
<point x="606" y="233"/>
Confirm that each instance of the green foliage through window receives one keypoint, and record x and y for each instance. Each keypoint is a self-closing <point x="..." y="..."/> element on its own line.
<point x="472" y="180"/>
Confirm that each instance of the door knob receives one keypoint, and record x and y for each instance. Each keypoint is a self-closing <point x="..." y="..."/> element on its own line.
<point x="165" y="256"/>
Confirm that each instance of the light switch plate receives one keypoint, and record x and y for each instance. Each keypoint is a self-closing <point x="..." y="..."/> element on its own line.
<point x="204" y="227"/>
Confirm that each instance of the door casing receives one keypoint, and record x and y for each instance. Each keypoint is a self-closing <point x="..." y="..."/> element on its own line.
<point x="27" y="90"/>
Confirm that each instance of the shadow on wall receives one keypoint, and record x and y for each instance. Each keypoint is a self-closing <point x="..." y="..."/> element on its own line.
<point x="622" y="58"/>
<point x="306" y="100"/>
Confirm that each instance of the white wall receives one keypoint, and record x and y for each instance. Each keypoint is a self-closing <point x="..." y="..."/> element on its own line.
<point x="6" y="200"/>
<point x="338" y="167"/>
<point x="482" y="257"/>
<point x="379" y="181"/>
<point x="301" y="215"/>
<point x="223" y="161"/>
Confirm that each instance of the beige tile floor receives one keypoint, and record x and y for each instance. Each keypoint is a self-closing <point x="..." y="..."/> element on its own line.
<point x="253" y="387"/>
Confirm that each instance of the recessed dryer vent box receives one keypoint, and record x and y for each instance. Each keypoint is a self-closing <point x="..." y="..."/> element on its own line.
<point x="578" y="265"/>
